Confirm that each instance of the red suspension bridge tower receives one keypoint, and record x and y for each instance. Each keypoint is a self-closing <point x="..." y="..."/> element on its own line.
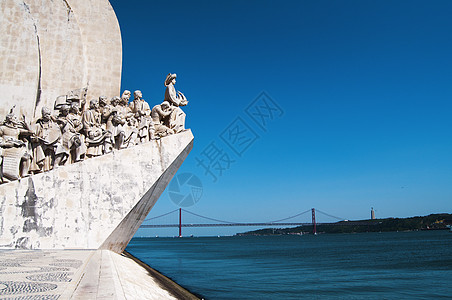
<point x="314" y="229"/>
<point x="180" y="222"/>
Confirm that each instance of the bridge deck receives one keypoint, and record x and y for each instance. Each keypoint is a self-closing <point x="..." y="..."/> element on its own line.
<point x="252" y="224"/>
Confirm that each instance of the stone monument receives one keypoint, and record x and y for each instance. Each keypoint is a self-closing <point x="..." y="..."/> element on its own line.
<point x="76" y="173"/>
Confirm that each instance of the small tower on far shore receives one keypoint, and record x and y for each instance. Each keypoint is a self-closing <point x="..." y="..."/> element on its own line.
<point x="372" y="213"/>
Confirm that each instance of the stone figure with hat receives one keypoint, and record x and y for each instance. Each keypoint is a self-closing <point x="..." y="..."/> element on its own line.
<point x="176" y="100"/>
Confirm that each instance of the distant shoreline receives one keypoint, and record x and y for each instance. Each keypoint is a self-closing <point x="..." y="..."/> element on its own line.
<point x="430" y="222"/>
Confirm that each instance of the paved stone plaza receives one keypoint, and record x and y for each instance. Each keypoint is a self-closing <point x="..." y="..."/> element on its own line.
<point x="74" y="274"/>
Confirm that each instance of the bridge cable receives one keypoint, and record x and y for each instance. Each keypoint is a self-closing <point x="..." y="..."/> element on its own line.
<point x="290" y="217"/>
<point x="161" y="215"/>
<point x="331" y="216"/>
<point x="211" y="219"/>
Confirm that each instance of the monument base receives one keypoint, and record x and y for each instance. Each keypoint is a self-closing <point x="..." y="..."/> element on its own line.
<point x="98" y="203"/>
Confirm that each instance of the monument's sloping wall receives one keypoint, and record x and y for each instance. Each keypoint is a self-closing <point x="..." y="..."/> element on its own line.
<point x="19" y="58"/>
<point x="62" y="61"/>
<point x="97" y="203"/>
<point x="49" y="47"/>
<point x="123" y="233"/>
<point x="102" y="46"/>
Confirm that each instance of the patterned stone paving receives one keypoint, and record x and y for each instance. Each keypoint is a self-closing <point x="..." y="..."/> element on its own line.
<point x="72" y="263"/>
<point x="53" y="277"/>
<point x="39" y="297"/>
<point x="17" y="287"/>
<point x="39" y="275"/>
<point x="75" y="274"/>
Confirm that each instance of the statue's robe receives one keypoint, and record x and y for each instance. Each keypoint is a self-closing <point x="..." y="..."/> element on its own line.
<point x="177" y="117"/>
<point x="48" y="145"/>
<point x="95" y="136"/>
<point x="160" y="118"/>
<point x="73" y="140"/>
<point x="12" y="154"/>
<point x="142" y="111"/>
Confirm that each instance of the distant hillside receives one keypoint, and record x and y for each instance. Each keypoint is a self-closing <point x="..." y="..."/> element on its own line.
<point x="430" y="222"/>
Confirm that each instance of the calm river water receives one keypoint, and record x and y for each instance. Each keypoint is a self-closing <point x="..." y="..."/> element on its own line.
<point x="406" y="265"/>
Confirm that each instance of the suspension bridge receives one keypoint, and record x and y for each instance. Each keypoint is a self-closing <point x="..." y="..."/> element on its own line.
<point x="212" y="222"/>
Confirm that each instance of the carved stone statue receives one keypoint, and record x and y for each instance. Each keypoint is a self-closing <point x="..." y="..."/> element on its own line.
<point x="131" y="125"/>
<point x="177" y="117"/>
<point x="115" y="122"/>
<point x="141" y="112"/>
<point x="74" y="136"/>
<point x="16" y="157"/>
<point x="96" y="137"/>
<point x="125" y="97"/>
<point x="78" y="97"/>
<point x="48" y="150"/>
<point x="74" y="97"/>
<point x="71" y="127"/>
<point x="105" y="110"/>
<point x="160" y="117"/>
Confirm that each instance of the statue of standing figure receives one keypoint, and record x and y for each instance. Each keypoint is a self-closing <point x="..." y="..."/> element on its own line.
<point x="16" y="157"/>
<point x="115" y="123"/>
<point x="142" y="112"/>
<point x="105" y="110"/>
<point x="130" y="126"/>
<point x="71" y="128"/>
<point x="177" y="117"/>
<point x="97" y="139"/>
<point x="48" y="150"/>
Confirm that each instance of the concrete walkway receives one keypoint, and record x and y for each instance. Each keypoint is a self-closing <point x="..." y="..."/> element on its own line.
<point x="75" y="274"/>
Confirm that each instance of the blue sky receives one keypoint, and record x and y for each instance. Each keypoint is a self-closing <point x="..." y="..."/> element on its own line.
<point x="364" y="88"/>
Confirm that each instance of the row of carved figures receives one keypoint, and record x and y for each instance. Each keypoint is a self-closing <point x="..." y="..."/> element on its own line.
<point x="75" y="134"/>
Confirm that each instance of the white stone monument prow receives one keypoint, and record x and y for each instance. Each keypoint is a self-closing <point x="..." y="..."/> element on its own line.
<point x="98" y="203"/>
